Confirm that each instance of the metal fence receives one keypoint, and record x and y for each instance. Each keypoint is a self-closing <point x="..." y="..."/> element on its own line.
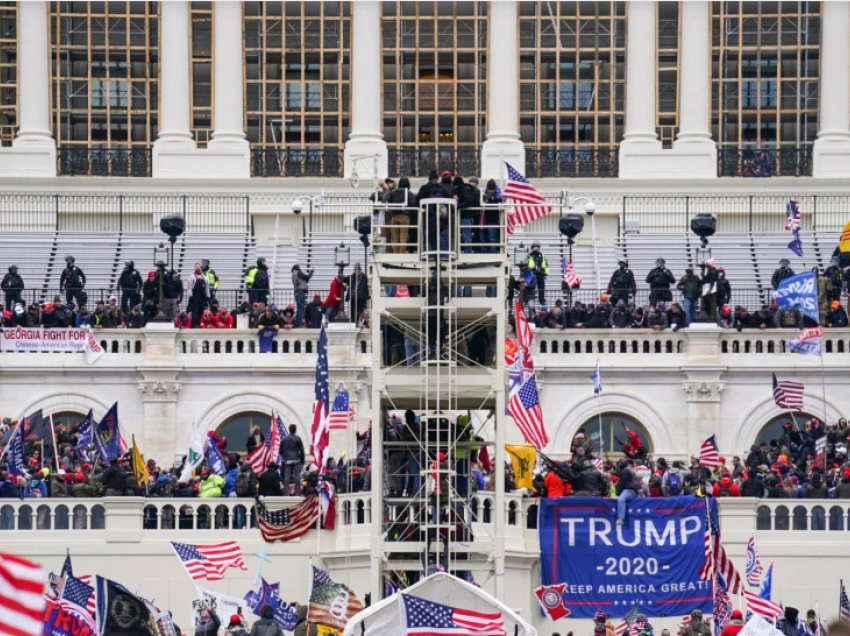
<point x="75" y="161"/>
<point x="418" y="162"/>
<point x="735" y="213"/>
<point x="751" y="298"/>
<point x="121" y="213"/>
<point x="571" y="162"/>
<point x="296" y="162"/>
<point x="765" y="162"/>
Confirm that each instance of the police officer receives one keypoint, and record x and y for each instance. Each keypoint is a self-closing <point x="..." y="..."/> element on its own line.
<point x="130" y="284"/>
<point x="211" y="276"/>
<point x="257" y="282"/>
<point x="12" y="285"/>
<point x="833" y="272"/>
<point x="782" y="273"/>
<point x="72" y="281"/>
<point x="659" y="280"/>
<point x="622" y="284"/>
<point x="538" y="265"/>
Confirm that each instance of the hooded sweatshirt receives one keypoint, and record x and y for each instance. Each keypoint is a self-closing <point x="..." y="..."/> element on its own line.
<point x="726" y="488"/>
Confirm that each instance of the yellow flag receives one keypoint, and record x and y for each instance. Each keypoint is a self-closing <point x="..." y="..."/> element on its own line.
<point x="140" y="470"/>
<point x="844" y="241"/>
<point x="523" y="459"/>
<point x="326" y="630"/>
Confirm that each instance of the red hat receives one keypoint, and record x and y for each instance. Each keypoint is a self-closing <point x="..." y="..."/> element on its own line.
<point x="725" y="310"/>
<point x="737" y="615"/>
<point x="79" y="477"/>
<point x="151" y="274"/>
<point x="68" y="477"/>
<point x="86" y="467"/>
<point x="722" y="459"/>
<point x="847" y="472"/>
<point x="446" y="173"/>
<point x="237" y="620"/>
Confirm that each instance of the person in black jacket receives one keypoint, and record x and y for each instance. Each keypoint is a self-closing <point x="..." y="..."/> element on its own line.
<point x="72" y="281"/>
<point x="438" y="225"/>
<point x="622" y="284"/>
<point x="752" y="486"/>
<point x="12" y="285"/>
<point x="292" y="458"/>
<point x="114" y="479"/>
<point x="269" y="482"/>
<point x="356" y="293"/>
<point x="724" y="289"/>
<point x="659" y="280"/>
<point x="401" y="219"/>
<point x="782" y="273"/>
<point x="313" y="315"/>
<point x="628" y="487"/>
<point x="468" y="200"/>
<point x="130" y="284"/>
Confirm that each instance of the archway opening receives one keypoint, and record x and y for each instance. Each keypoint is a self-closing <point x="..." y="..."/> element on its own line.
<point x="237" y="429"/>
<point x="611" y="435"/>
<point x="68" y="419"/>
<point x="773" y="429"/>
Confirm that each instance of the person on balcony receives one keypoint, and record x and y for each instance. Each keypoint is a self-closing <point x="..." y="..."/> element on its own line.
<point x="172" y="294"/>
<point x="659" y="279"/>
<point x="334" y="302"/>
<point x="357" y="293"/>
<point x="492" y="218"/>
<point x="114" y="318"/>
<point x="313" y="315"/>
<point x="198" y="288"/>
<point x="72" y="282"/>
<point x="269" y="482"/>
<point x="210" y="275"/>
<point x="836" y="317"/>
<point x="657" y="318"/>
<point x="293" y="459"/>
<point x="300" y="286"/>
<point x="468" y="199"/>
<point x="708" y="281"/>
<point x="12" y="285"/>
<point x="782" y="273"/>
<point x="622" y="284"/>
<point x="401" y="219"/>
<point x="538" y="265"/>
<point x="690" y="287"/>
<point x="788" y="318"/>
<point x="438" y="225"/>
<point x="134" y="319"/>
<point x="130" y="284"/>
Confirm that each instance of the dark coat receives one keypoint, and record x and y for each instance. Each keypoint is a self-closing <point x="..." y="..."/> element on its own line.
<point x="270" y="483"/>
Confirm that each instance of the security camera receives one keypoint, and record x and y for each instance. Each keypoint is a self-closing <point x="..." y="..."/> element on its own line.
<point x="297" y="206"/>
<point x="590" y="208"/>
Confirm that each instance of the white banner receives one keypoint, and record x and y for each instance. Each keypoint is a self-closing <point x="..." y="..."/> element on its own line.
<point x="17" y="339"/>
<point x="223" y="605"/>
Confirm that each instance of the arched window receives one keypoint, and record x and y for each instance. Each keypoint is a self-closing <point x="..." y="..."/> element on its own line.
<point x="773" y="429"/>
<point x="613" y="433"/>
<point x="68" y="419"/>
<point x="239" y="427"/>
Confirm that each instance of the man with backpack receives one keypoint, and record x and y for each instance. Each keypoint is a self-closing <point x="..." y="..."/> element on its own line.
<point x="292" y="458"/>
<point x="672" y="481"/>
<point x="246" y="482"/>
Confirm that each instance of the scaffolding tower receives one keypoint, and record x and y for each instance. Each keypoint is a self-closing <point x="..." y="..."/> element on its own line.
<point x="438" y="390"/>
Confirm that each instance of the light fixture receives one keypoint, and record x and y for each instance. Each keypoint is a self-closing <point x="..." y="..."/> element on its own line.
<point x="342" y="255"/>
<point x="297" y="206"/>
<point x="520" y="256"/>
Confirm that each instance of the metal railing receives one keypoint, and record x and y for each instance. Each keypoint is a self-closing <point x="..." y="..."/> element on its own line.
<point x="75" y="161"/>
<point x="765" y="162"/>
<point x="571" y="162"/>
<point x="296" y="162"/>
<point x="736" y="213"/>
<point x="121" y="213"/>
<point x="418" y="162"/>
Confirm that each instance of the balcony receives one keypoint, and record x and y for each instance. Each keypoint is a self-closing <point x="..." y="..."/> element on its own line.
<point x="418" y="162"/>
<point x="81" y="161"/>
<point x="571" y="162"/>
<point x="765" y="162"/>
<point x="296" y="162"/>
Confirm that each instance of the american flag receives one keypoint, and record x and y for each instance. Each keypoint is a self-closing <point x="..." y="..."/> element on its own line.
<point x="843" y="604"/>
<point x="331" y="604"/>
<point x="717" y="562"/>
<point x="597" y="463"/>
<point x="269" y="451"/>
<point x="57" y="582"/>
<point x="524" y="400"/>
<point x="320" y="430"/>
<point x="753" y="568"/>
<point x="792" y="210"/>
<point x="209" y="561"/>
<point x="570" y="277"/>
<point x="762" y="606"/>
<point x="637" y="627"/>
<point x="75" y="598"/>
<point x="528" y="202"/>
<point x="788" y="395"/>
<point x="426" y="618"/>
<point x="289" y="523"/>
<point x="709" y="456"/>
<point x="722" y="605"/>
<point x="341" y="412"/>
<point x="21" y="597"/>
<point x="627" y="620"/>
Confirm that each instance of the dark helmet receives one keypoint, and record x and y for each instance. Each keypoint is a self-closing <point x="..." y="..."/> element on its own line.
<point x="13" y="269"/>
<point x="205" y="263"/>
<point x="623" y="263"/>
<point x="784" y="263"/>
<point x="535" y="244"/>
<point x="261" y="262"/>
<point x="129" y="264"/>
<point x="69" y="259"/>
<point x="660" y="262"/>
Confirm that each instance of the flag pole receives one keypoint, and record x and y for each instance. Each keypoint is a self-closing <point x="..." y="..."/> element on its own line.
<point x="599" y="413"/>
<point x="797" y="426"/>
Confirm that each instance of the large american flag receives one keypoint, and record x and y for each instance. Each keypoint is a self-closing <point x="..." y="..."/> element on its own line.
<point x="289" y="523"/>
<point x="627" y="620"/>
<point x="21" y="596"/>
<point x="268" y="451"/>
<point x="762" y="606"/>
<point x="787" y="394"/>
<point x="792" y="211"/>
<point x="709" y="456"/>
<point x="209" y="561"/>
<point x="843" y="605"/>
<point x="320" y="430"/>
<point x="753" y="568"/>
<point x="75" y="598"/>
<point x="341" y="412"/>
<point x="570" y="277"/>
<point x="524" y="400"/>
<point x="717" y="562"/>
<point x="57" y="582"/>
<point x="529" y="204"/>
<point x="426" y="618"/>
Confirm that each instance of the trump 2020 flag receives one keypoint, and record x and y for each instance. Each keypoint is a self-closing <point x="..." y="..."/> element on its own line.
<point x="807" y="343"/>
<point x="267" y="336"/>
<point x="801" y="292"/>
<point x="426" y="618"/>
<point x="107" y="432"/>
<point x="15" y="452"/>
<point x="84" y="436"/>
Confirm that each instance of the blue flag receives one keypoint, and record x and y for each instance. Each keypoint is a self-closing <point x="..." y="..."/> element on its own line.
<point x="84" y="436"/>
<point x="767" y="584"/>
<point x="267" y="335"/>
<point x="284" y="614"/>
<point x="214" y="458"/>
<point x="597" y="379"/>
<point x="108" y="435"/>
<point x="15" y="451"/>
<point x="796" y="245"/>
<point x="801" y="292"/>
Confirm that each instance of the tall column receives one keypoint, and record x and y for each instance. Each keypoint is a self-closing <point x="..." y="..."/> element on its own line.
<point x="832" y="147"/>
<point x="174" y="78"/>
<point x="366" y="140"/>
<point x="503" y="140"/>
<point x="695" y="75"/>
<point x="228" y="75"/>
<point x="641" y="77"/>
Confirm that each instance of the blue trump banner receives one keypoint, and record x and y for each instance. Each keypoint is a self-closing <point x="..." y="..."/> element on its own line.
<point x="800" y="291"/>
<point x="653" y="560"/>
<point x="267" y="336"/>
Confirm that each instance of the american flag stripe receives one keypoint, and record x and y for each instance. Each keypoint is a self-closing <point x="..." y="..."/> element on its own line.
<point x="792" y="211"/>
<point x="320" y="429"/>
<point x="209" y="561"/>
<point x="22" y="600"/>
<point x="709" y="456"/>
<point x="570" y="277"/>
<point x="627" y="620"/>
<point x="524" y="400"/>
<point x="301" y="518"/>
<point x="427" y="618"/>
<point x="843" y="604"/>
<point x="787" y="394"/>
<point x="717" y="562"/>
<point x="341" y="413"/>
<point x="268" y="451"/>
<point x="529" y="204"/>
<point x="763" y="607"/>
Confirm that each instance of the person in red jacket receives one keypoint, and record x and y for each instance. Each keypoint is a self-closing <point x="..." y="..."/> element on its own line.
<point x="223" y="319"/>
<point x="183" y="320"/>
<point x="735" y="625"/>
<point x="335" y="296"/>
<point x="726" y="487"/>
<point x="555" y="486"/>
<point x="207" y="320"/>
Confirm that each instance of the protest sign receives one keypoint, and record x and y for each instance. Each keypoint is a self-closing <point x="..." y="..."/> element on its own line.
<point x="222" y="604"/>
<point x="758" y="626"/>
<point x="60" y="622"/>
<point x="36" y="339"/>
